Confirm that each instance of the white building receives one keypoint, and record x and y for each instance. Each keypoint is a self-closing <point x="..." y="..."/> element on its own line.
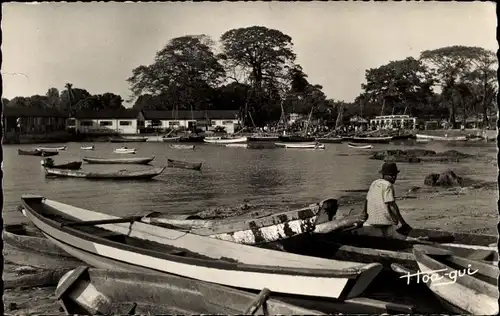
<point x="205" y="120"/>
<point x="394" y="122"/>
<point x="105" y="122"/>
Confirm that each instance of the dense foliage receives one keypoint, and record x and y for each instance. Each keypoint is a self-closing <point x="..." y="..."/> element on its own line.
<point x="253" y="70"/>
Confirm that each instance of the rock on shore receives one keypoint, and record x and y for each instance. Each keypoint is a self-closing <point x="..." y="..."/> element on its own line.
<point x="419" y="155"/>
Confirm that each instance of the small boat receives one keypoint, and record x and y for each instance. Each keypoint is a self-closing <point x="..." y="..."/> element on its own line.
<point x="225" y="140"/>
<point x="296" y="145"/>
<point x="370" y="140"/>
<point x="183" y="164"/>
<point x="331" y="140"/>
<point x="107" y="241"/>
<point x="125" y="150"/>
<point x="159" y="294"/>
<point x="128" y="139"/>
<point x="116" y="175"/>
<point x="41" y="153"/>
<point x="442" y="138"/>
<point x="135" y="161"/>
<point x="87" y="147"/>
<point x="73" y="165"/>
<point x="237" y="145"/>
<point x="350" y="145"/>
<point x="295" y="139"/>
<point x="174" y="139"/>
<point x="51" y="148"/>
<point x="182" y="146"/>
<point x="265" y="229"/>
<point x="465" y="286"/>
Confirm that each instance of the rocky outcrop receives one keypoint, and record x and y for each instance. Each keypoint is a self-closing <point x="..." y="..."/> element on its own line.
<point x="447" y="178"/>
<point x="419" y="155"/>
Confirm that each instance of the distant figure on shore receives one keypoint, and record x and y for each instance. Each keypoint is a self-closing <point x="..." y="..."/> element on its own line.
<point x="380" y="209"/>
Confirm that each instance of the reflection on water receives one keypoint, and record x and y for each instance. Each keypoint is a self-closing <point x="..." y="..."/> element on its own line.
<point x="271" y="177"/>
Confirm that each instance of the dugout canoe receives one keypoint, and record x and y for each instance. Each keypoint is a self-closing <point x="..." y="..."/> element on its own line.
<point x="171" y="163"/>
<point x="107" y="241"/>
<point x="73" y="165"/>
<point x="135" y="160"/>
<point x="115" y="175"/>
<point x="465" y="286"/>
<point x="41" y="153"/>
<point x="51" y="148"/>
<point x="255" y="231"/>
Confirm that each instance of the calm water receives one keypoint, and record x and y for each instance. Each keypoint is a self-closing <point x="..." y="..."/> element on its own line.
<point x="268" y="177"/>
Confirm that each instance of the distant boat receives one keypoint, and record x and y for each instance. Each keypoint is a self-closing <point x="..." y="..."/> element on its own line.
<point x="128" y="139"/>
<point x="442" y="138"/>
<point x="359" y="146"/>
<point x="116" y="175"/>
<point x="171" y="163"/>
<point x="107" y="161"/>
<point x="237" y="145"/>
<point x="301" y="145"/>
<point x="125" y="150"/>
<point x="87" y="147"/>
<point x="41" y="153"/>
<point x="182" y="146"/>
<point x="225" y="140"/>
<point x="51" y="148"/>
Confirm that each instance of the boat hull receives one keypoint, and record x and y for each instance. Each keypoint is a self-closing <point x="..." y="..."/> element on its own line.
<point x="330" y="140"/>
<point x="124" y="151"/>
<point x="74" y="165"/>
<point x="116" y="175"/>
<point x="359" y="146"/>
<point x="51" y="148"/>
<point x="40" y="153"/>
<point x="442" y="138"/>
<point x="297" y="145"/>
<point x="87" y="147"/>
<point x="183" y="164"/>
<point x="108" y="161"/>
<point x="220" y="140"/>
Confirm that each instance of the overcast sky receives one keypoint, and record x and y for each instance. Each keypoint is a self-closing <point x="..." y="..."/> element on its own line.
<point x="95" y="46"/>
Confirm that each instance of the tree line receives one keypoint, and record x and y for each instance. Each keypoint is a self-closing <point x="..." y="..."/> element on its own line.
<point x="254" y="70"/>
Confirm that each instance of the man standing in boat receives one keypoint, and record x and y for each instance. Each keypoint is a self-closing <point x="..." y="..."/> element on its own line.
<point x="381" y="210"/>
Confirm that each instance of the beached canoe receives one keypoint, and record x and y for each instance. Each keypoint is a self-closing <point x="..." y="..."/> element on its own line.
<point x="171" y="163"/>
<point x="51" y="148"/>
<point x="87" y="147"/>
<point x="158" y="294"/>
<point x="255" y="231"/>
<point x="128" y="139"/>
<point x="182" y="146"/>
<point x="115" y="175"/>
<point x="359" y="146"/>
<point x="40" y="153"/>
<point x="331" y="140"/>
<point x="73" y="165"/>
<point x="107" y="241"/>
<point x="296" y="145"/>
<point x="225" y="140"/>
<point x="136" y="161"/>
<point x="465" y="286"/>
<point x="125" y="150"/>
<point x="370" y="140"/>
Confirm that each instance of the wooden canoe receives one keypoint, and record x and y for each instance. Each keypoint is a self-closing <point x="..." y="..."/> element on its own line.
<point x="467" y="286"/>
<point x="125" y="151"/>
<point x="73" y="165"/>
<point x="135" y="160"/>
<point x="350" y="145"/>
<point x="87" y="147"/>
<point x="332" y="140"/>
<point x="225" y="140"/>
<point x="115" y="175"/>
<point x="107" y="241"/>
<point x="171" y="163"/>
<point x="182" y="146"/>
<point x="51" y="148"/>
<point x="87" y="291"/>
<point x="255" y="231"/>
<point x="41" y="153"/>
<point x="370" y="140"/>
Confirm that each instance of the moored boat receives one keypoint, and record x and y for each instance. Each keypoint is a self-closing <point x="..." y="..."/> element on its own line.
<point x="350" y="145"/>
<point x="158" y="294"/>
<point x="51" y="148"/>
<point x="125" y="150"/>
<point x="182" y="146"/>
<point x="128" y="139"/>
<point x="225" y="140"/>
<point x="271" y="228"/>
<point x="87" y="147"/>
<point x="371" y="139"/>
<point x="41" y="153"/>
<point x="116" y="175"/>
<point x="465" y="286"/>
<point x="107" y="241"/>
<point x="331" y="140"/>
<point x="73" y="165"/>
<point x="171" y="163"/>
<point x="442" y="138"/>
<point x="297" y="145"/>
<point x="135" y="160"/>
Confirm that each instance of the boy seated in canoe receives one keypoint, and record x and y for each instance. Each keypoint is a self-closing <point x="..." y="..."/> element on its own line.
<point x="381" y="210"/>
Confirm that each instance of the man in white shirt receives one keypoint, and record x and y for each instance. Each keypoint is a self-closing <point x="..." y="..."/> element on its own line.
<point x="380" y="209"/>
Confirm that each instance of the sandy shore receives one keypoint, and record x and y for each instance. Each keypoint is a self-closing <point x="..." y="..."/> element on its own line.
<point x="459" y="210"/>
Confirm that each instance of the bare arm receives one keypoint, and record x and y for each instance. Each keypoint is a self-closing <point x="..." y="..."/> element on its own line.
<point x="364" y="214"/>
<point x="395" y="213"/>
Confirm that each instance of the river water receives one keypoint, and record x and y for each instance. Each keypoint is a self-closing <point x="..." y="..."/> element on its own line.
<point x="267" y="178"/>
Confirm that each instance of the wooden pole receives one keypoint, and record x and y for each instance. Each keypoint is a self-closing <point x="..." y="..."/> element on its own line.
<point x="258" y="302"/>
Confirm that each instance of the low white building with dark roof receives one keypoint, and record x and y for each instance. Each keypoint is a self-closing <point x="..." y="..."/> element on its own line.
<point x="205" y="120"/>
<point x="123" y="121"/>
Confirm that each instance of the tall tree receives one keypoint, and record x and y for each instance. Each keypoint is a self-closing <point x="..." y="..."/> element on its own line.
<point x="186" y="70"/>
<point x="450" y="65"/>
<point x="53" y="98"/>
<point x="71" y="96"/>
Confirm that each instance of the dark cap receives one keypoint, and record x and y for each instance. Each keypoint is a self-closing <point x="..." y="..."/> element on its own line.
<point x="389" y="168"/>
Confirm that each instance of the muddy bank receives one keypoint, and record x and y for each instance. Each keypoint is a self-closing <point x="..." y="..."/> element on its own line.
<point x="419" y="155"/>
